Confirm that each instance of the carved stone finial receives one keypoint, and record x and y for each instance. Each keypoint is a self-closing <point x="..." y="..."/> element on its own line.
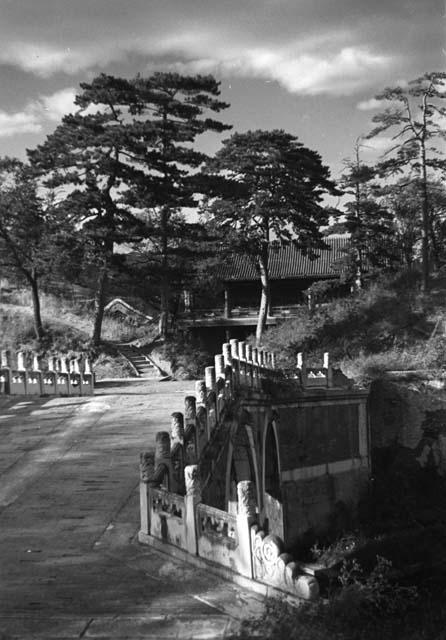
<point x="255" y="355"/>
<point x="200" y="391"/>
<point x="248" y="352"/>
<point x="192" y="480"/>
<point x="20" y="361"/>
<point x="242" y="350"/>
<point x="190" y="410"/>
<point x="209" y="373"/>
<point x="227" y="354"/>
<point x="234" y="348"/>
<point x="63" y="365"/>
<point x="219" y="366"/>
<point x="177" y="427"/>
<point x="246" y="498"/>
<point x="5" y="359"/>
<point x="162" y="446"/>
<point x="146" y="465"/>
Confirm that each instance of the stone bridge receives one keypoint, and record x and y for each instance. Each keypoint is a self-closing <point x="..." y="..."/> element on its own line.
<point x="258" y="461"/>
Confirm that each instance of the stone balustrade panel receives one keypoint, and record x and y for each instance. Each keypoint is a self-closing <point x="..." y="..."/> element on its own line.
<point x="216" y="522"/>
<point x="167" y="517"/>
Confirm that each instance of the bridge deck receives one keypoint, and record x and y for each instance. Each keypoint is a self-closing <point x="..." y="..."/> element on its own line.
<point x="70" y="566"/>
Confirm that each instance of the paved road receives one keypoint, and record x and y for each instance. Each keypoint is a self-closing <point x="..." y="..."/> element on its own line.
<point x="70" y="565"/>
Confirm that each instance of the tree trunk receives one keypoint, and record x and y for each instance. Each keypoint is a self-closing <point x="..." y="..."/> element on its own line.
<point x="164" y="297"/>
<point x="265" y="297"/>
<point x="38" y="326"/>
<point x="100" y="297"/>
<point x="425" y="226"/>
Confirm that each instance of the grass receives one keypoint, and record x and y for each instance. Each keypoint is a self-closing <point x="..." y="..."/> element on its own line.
<point x="385" y="327"/>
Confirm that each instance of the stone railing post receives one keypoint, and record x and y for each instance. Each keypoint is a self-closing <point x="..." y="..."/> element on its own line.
<point x="219" y="384"/>
<point x="177" y="428"/>
<point x="273" y="360"/>
<point x="162" y="454"/>
<point x="227" y="354"/>
<point x="209" y="376"/>
<point x="211" y="399"/>
<point x="245" y="519"/>
<point x="20" y="361"/>
<point x="255" y="367"/>
<point x="177" y="443"/>
<point x="5" y="359"/>
<point x="191" y="500"/>
<point x="242" y="361"/>
<point x="302" y="366"/>
<point x="146" y="472"/>
<point x="190" y="422"/>
<point x="328" y="369"/>
<point x="202" y="416"/>
<point x="235" y="363"/>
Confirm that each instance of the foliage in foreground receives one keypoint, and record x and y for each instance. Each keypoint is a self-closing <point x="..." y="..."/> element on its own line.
<point x="366" y="606"/>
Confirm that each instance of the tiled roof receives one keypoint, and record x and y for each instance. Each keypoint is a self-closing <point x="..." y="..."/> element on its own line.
<point x="289" y="262"/>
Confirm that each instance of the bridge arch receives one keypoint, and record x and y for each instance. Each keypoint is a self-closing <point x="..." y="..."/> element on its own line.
<point x="242" y="461"/>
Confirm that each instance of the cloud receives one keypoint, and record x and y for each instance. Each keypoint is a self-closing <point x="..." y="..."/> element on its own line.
<point x="340" y="72"/>
<point x="36" y="113"/>
<point x="309" y="47"/>
<point x="58" y="104"/>
<point x="12" y="124"/>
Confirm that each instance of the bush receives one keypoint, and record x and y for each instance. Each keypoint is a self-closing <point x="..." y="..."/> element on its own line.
<point x="382" y="327"/>
<point x="364" y="607"/>
<point x="186" y="357"/>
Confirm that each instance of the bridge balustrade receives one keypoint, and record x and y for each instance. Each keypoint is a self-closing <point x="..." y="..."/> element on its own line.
<point x="26" y="374"/>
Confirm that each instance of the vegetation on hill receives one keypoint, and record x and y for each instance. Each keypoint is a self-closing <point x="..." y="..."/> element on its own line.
<point x="388" y="325"/>
<point x="66" y="332"/>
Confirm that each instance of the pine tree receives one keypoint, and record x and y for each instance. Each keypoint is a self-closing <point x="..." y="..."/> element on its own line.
<point x="280" y="187"/>
<point x="417" y="115"/>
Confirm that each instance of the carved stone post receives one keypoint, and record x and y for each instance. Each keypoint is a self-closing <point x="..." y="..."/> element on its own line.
<point x="146" y="473"/>
<point x="20" y="361"/>
<point x="36" y="365"/>
<point x="245" y="519"/>
<point x="5" y="359"/>
<point x="177" y="451"/>
<point x="63" y="365"/>
<point x="242" y="361"/>
<point x="191" y="500"/>
<point x="190" y="423"/>
<point x="209" y="375"/>
<point x="201" y="394"/>
<point x="227" y="355"/>
<point x="177" y="428"/>
<point x="235" y="362"/>
<point x="219" y="367"/>
<point x="162" y="453"/>
<point x="273" y="360"/>
<point x="302" y="366"/>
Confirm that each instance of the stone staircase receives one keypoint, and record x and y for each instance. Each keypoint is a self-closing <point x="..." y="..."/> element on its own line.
<point x="143" y="366"/>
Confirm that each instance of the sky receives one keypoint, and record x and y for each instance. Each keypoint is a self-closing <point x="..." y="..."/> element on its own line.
<point x="311" y="67"/>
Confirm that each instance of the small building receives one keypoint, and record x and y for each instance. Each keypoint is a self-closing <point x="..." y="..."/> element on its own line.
<point x="291" y="273"/>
